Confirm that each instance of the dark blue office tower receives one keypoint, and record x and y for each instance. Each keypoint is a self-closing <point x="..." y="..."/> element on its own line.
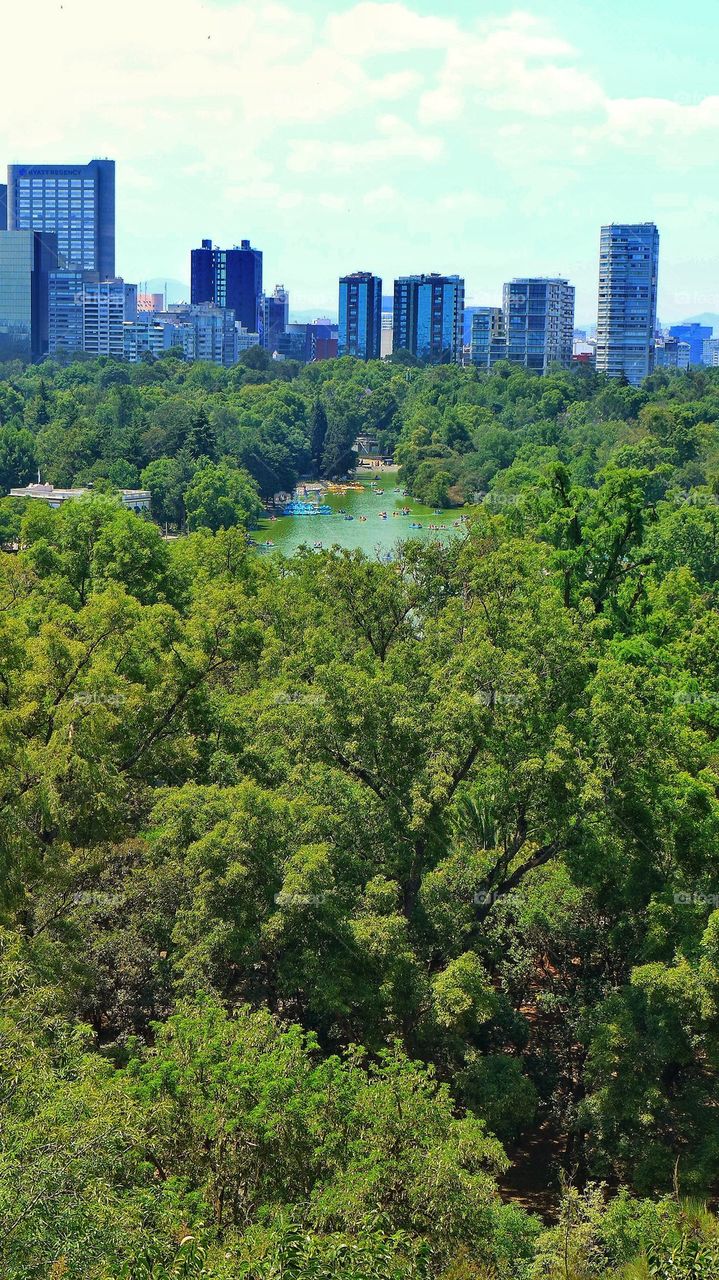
<point x="229" y="278"/>
<point x="75" y="202"/>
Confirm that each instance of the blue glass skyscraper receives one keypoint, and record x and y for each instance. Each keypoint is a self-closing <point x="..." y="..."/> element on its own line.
<point x="74" y="202"/>
<point x="627" y="317"/>
<point x="3" y="207"/>
<point x="360" y="312"/>
<point x="429" y="317"/>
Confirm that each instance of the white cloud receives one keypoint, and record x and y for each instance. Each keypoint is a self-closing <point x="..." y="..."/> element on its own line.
<point x="470" y="204"/>
<point x="634" y="121"/>
<point x="388" y="28"/>
<point x="397" y="85"/>
<point x="513" y="66"/>
<point x="395" y="140"/>
<point x="266" y="117"/>
<point x="381" y="197"/>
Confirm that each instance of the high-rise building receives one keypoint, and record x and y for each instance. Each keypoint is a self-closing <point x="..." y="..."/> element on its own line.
<point x="229" y="278"/>
<point x="3" y="207"/>
<point x="696" y="335"/>
<point x="360" y="325"/>
<point x="539" y="322"/>
<point x="106" y="305"/>
<point x="26" y="258"/>
<point x="627" y="317"/>
<point x="429" y="317"/>
<point x="65" y="311"/>
<point x="274" y="316"/>
<point x="488" y="338"/>
<point x="88" y="314"/>
<point x="74" y="202"/>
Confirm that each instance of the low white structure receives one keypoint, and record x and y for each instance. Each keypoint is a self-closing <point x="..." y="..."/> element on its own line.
<point x="133" y="499"/>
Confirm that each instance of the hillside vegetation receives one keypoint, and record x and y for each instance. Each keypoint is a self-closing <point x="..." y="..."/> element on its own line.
<point x="331" y="888"/>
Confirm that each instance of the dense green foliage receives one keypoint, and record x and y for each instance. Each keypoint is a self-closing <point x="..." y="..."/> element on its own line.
<point x="106" y="423"/>
<point x="329" y="887"/>
<point x="160" y="423"/>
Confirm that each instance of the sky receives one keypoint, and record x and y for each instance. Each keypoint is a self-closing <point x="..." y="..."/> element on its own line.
<point x="397" y="136"/>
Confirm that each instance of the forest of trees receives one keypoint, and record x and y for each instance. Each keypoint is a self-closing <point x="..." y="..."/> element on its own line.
<point x="360" y="920"/>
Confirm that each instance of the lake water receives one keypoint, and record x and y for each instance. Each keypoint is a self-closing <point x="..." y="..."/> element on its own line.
<point x="373" y="534"/>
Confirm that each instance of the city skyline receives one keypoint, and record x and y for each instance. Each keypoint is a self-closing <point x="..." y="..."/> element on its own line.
<point x="60" y="301"/>
<point x="485" y="146"/>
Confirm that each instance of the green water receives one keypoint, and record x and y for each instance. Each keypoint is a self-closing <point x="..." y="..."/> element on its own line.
<point x="372" y="535"/>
